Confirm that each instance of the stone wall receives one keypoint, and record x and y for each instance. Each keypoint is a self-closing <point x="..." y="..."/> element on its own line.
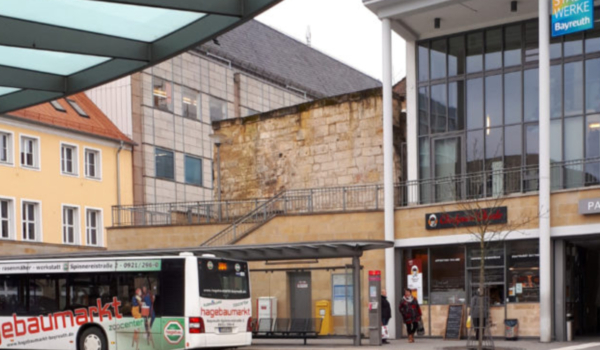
<point x="15" y="248"/>
<point x="330" y="142"/>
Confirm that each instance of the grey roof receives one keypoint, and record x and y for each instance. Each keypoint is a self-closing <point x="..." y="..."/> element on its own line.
<point x="261" y="49"/>
<point x="259" y="252"/>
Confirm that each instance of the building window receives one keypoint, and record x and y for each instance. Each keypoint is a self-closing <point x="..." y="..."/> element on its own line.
<point x="93" y="228"/>
<point x="164" y="164"/>
<point x="29" y="152"/>
<point x="58" y="106"/>
<point x="6" y="148"/>
<point x="93" y="163"/>
<point x="68" y="159"/>
<point x="6" y="214"/>
<point x="193" y="170"/>
<point x="30" y="214"/>
<point x="419" y="284"/>
<point x="77" y="108"/>
<point x="163" y="95"/>
<point x="70" y="225"/>
<point x="448" y="275"/>
<point x="523" y="276"/>
<point x="218" y="109"/>
<point x="190" y="104"/>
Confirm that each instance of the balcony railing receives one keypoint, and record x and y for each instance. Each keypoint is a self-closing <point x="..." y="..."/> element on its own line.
<point x="479" y="185"/>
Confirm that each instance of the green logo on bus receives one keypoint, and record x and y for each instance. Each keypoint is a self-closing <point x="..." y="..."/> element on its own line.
<point x="173" y="332"/>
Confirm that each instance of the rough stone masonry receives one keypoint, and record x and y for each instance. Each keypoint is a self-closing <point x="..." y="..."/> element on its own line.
<point x="336" y="141"/>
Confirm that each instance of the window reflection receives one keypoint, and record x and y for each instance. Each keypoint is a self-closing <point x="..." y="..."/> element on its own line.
<point x="456" y="56"/>
<point x="448" y="275"/>
<point x="574" y="138"/>
<point x="423" y="112"/>
<point x="493" y="101"/>
<point x="512" y="42"/>
<point x="438" y="59"/>
<point x="423" y="62"/>
<point x="573" y="89"/>
<point x="474" y="52"/>
<point x="438" y="108"/>
<point x="592" y="85"/>
<point x="592" y="149"/>
<point x="573" y="44"/>
<point x="456" y="109"/>
<point x="556" y="91"/>
<point x="475" y="103"/>
<point x="513" y="92"/>
<point x="532" y="90"/>
<point x="493" y="48"/>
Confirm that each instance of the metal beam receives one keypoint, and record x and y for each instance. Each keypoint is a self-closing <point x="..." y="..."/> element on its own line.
<point x="94" y="76"/>
<point x="31" y="35"/>
<point x="17" y="100"/>
<point x="218" y="7"/>
<point x="28" y="79"/>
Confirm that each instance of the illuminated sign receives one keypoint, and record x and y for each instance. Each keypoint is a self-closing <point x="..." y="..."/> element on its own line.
<point x="572" y="16"/>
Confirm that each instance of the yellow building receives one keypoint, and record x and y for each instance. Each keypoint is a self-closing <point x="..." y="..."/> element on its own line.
<point x="63" y="164"/>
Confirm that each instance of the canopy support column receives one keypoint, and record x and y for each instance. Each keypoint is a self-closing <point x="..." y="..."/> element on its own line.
<point x="357" y="305"/>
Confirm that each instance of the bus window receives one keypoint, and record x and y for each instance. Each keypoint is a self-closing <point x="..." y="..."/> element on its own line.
<point x="44" y="295"/>
<point x="223" y="280"/>
<point x="12" y="294"/>
<point x="173" y="288"/>
<point x="85" y="290"/>
<point x="136" y="291"/>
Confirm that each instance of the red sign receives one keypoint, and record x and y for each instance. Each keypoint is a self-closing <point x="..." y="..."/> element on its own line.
<point x="487" y="216"/>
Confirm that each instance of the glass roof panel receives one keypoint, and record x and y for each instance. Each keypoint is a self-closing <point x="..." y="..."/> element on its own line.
<point x="127" y="21"/>
<point x="7" y="90"/>
<point x="47" y="61"/>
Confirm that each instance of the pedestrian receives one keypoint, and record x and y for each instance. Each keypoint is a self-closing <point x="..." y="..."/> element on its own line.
<point x="386" y="315"/>
<point x="475" y="313"/>
<point x="411" y="314"/>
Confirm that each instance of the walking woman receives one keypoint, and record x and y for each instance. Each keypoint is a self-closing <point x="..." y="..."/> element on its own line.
<point x="411" y="314"/>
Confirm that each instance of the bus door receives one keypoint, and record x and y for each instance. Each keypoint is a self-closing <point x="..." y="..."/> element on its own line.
<point x="140" y="327"/>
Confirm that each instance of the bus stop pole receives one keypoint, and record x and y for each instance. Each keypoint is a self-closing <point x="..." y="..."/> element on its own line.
<point x="357" y="305"/>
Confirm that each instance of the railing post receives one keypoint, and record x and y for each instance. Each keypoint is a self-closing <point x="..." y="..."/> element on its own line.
<point x="310" y="201"/>
<point x="376" y="197"/>
<point x="344" y="198"/>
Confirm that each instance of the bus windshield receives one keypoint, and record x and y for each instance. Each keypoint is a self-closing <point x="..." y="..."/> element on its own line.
<point x="223" y="279"/>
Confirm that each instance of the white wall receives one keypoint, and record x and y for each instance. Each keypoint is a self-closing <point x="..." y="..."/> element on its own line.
<point x="114" y="99"/>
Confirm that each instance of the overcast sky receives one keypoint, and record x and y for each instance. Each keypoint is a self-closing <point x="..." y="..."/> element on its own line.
<point x="343" y="29"/>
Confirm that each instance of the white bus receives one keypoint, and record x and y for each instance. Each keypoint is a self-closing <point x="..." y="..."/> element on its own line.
<point x="118" y="303"/>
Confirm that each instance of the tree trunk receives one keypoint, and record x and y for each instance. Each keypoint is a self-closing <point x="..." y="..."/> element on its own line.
<point x="482" y="322"/>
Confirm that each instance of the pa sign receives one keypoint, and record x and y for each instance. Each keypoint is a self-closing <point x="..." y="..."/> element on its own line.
<point x="589" y="206"/>
<point x="571" y="16"/>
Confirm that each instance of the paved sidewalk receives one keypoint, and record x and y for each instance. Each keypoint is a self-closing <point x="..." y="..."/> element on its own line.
<point x="420" y="344"/>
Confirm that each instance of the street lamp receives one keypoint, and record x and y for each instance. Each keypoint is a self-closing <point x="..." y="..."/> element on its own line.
<point x="218" y="139"/>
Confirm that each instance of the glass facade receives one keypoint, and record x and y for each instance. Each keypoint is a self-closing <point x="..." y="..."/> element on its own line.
<point x="479" y="110"/>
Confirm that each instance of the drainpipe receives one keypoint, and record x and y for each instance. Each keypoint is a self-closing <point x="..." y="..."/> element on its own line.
<point x="119" y="177"/>
<point x="544" y="166"/>
<point x="388" y="166"/>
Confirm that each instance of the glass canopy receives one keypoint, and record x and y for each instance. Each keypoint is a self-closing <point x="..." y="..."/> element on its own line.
<point x="53" y="48"/>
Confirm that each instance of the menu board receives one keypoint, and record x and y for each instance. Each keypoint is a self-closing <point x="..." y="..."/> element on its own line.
<point x="454" y="322"/>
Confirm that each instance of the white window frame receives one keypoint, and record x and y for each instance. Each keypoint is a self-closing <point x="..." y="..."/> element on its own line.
<point x="76" y="223"/>
<point x="37" y="220"/>
<point x="75" y="160"/>
<point x="98" y="152"/>
<point x="99" y="227"/>
<point x="37" y="152"/>
<point x="12" y="217"/>
<point x="10" y="153"/>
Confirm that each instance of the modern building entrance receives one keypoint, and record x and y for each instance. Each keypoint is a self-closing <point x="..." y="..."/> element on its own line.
<point x="580" y="287"/>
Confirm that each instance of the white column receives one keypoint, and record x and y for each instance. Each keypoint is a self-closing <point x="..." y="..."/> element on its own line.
<point x="412" y="108"/>
<point x="388" y="166"/>
<point x="544" y="164"/>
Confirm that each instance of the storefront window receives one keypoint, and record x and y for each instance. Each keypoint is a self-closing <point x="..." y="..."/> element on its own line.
<point x="523" y="272"/>
<point x="493" y="255"/>
<point x="417" y="256"/>
<point x="448" y="275"/>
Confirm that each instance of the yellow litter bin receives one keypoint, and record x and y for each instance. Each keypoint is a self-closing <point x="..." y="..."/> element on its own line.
<point x="323" y="311"/>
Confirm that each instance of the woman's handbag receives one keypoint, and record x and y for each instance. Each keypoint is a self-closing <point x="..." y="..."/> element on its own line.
<point x="421" y="329"/>
<point x="145" y="311"/>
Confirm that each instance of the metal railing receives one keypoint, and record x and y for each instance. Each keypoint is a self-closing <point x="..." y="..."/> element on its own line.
<point x="494" y="183"/>
<point x="183" y="213"/>
<point x="249" y="213"/>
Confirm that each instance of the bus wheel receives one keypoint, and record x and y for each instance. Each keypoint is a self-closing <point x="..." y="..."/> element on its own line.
<point x="92" y="339"/>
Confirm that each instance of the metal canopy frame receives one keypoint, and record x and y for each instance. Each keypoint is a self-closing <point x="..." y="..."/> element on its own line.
<point x="271" y="252"/>
<point x="125" y="56"/>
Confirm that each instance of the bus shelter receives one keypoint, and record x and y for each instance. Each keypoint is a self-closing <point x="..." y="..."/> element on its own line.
<point x="264" y="252"/>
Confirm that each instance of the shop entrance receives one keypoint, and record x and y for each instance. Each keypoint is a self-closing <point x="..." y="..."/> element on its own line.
<point x="582" y="286"/>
